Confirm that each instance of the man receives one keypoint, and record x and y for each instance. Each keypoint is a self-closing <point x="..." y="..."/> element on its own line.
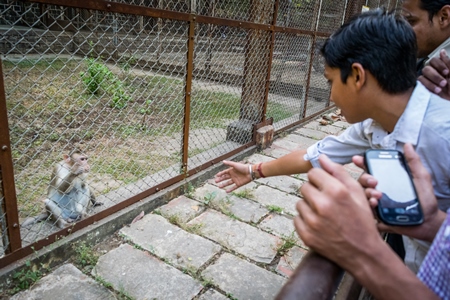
<point x="336" y="221"/>
<point x="388" y="110"/>
<point x="430" y="20"/>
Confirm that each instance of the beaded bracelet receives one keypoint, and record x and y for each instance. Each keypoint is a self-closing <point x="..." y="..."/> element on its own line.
<point x="260" y="171"/>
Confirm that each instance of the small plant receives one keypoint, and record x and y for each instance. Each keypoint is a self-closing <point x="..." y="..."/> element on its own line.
<point x="288" y="243"/>
<point x="175" y="220"/>
<point x="209" y="197"/>
<point x="190" y="190"/>
<point x="26" y="277"/>
<point x="194" y="228"/>
<point x="245" y="193"/>
<point x="230" y="296"/>
<point x="85" y="256"/>
<point x="274" y="208"/>
<point x="98" y="77"/>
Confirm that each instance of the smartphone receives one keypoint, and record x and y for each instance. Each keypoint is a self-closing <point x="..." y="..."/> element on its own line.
<point x="399" y="204"/>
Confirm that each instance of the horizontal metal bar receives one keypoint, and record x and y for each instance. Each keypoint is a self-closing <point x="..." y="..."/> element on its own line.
<point x="173" y="15"/>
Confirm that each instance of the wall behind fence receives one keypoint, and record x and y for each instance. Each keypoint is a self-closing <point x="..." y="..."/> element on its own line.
<point x="152" y="91"/>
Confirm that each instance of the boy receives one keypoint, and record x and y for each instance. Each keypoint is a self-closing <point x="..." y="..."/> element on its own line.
<point x="371" y="66"/>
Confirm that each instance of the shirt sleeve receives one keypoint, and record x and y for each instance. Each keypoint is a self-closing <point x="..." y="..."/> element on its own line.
<point x="340" y="149"/>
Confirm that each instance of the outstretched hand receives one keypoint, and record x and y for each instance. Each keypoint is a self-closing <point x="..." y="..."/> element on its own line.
<point x="235" y="176"/>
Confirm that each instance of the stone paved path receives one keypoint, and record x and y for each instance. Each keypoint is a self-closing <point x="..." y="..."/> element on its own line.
<point x="204" y="245"/>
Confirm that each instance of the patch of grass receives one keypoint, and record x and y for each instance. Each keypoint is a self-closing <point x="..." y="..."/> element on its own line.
<point x="245" y="193"/>
<point x="190" y="189"/>
<point x="85" y="258"/>
<point x="194" y="228"/>
<point x="175" y="220"/>
<point x="26" y="277"/>
<point x="288" y="242"/>
<point x="209" y="197"/>
<point x="274" y="208"/>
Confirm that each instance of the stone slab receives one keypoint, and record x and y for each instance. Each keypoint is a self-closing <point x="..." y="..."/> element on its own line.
<point x="237" y="236"/>
<point x="270" y="196"/>
<point x="66" y="282"/>
<point x="280" y="226"/>
<point x="330" y="129"/>
<point x="142" y="276"/>
<point x="276" y="151"/>
<point x="290" y="261"/>
<point x="183" y="208"/>
<point x="167" y="241"/>
<point x="301" y="141"/>
<point x="311" y="133"/>
<point x="212" y="295"/>
<point x="258" y="283"/>
<point x="286" y="184"/>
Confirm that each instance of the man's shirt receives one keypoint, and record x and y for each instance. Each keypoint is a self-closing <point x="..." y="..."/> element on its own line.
<point x="435" y="269"/>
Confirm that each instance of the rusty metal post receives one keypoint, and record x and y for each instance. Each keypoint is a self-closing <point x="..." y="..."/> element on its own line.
<point x="9" y="204"/>
<point x="188" y="90"/>
<point x="256" y="68"/>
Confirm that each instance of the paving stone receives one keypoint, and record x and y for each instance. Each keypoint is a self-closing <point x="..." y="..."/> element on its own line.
<point x="341" y="124"/>
<point x="276" y="152"/>
<point x="286" y="184"/>
<point x="238" y="236"/>
<point x="301" y="141"/>
<point x="287" y="145"/>
<point x="66" y="282"/>
<point x="270" y="196"/>
<point x="212" y="295"/>
<point x="353" y="170"/>
<point x="281" y="226"/>
<point x="257" y="283"/>
<point x="311" y="133"/>
<point x="142" y="276"/>
<point x="183" y="208"/>
<point x="290" y="261"/>
<point x="324" y="128"/>
<point x="258" y="158"/>
<point x="165" y="240"/>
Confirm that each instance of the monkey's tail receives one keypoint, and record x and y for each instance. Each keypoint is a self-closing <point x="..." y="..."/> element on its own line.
<point x="33" y="220"/>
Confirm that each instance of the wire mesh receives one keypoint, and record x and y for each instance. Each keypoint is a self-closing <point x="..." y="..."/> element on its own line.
<point x="94" y="89"/>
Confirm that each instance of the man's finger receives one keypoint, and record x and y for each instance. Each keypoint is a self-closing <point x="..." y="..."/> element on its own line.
<point x="414" y="163"/>
<point x="431" y="86"/>
<point x="338" y="172"/>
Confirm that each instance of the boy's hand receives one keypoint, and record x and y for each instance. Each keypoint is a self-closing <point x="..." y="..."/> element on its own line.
<point x="235" y="176"/>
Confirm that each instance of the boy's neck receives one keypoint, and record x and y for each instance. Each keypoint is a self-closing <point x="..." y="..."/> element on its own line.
<point x="390" y="108"/>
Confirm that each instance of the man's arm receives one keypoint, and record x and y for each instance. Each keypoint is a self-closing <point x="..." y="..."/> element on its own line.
<point x="336" y="220"/>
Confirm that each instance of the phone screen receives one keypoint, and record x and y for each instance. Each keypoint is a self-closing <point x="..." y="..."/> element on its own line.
<point x="399" y="204"/>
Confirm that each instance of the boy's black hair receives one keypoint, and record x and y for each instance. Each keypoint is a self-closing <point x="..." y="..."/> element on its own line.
<point x="433" y="6"/>
<point x="382" y="42"/>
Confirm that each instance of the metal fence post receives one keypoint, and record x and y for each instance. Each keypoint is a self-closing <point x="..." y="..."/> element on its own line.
<point x="9" y="199"/>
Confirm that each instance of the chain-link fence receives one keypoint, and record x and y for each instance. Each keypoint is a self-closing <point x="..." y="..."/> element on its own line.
<point x="150" y="90"/>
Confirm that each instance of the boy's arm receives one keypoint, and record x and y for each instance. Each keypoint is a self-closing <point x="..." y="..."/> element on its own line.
<point x="238" y="174"/>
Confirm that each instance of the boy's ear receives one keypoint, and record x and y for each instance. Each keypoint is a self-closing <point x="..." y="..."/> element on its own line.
<point x="444" y="16"/>
<point x="358" y="75"/>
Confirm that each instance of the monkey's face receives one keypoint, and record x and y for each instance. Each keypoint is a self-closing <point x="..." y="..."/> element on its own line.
<point x="80" y="164"/>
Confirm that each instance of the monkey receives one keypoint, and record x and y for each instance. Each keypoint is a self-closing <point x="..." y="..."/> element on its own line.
<point x="68" y="194"/>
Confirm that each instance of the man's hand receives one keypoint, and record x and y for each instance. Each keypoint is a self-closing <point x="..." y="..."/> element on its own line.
<point x="235" y="176"/>
<point x="433" y="218"/>
<point x="435" y="76"/>
<point x="335" y="218"/>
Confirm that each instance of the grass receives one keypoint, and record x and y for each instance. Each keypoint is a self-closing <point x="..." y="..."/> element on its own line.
<point x="287" y="243"/>
<point x="26" y="277"/>
<point x="244" y="193"/>
<point x="274" y="208"/>
<point x="85" y="258"/>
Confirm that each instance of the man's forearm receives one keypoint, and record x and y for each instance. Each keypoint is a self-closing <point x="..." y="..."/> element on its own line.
<point x="381" y="272"/>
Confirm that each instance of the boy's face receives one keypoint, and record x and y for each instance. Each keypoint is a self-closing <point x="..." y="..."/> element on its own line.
<point x="343" y="95"/>
<point x="428" y="34"/>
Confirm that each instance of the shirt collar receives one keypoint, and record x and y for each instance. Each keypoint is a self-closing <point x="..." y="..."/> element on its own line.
<point x="409" y="124"/>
